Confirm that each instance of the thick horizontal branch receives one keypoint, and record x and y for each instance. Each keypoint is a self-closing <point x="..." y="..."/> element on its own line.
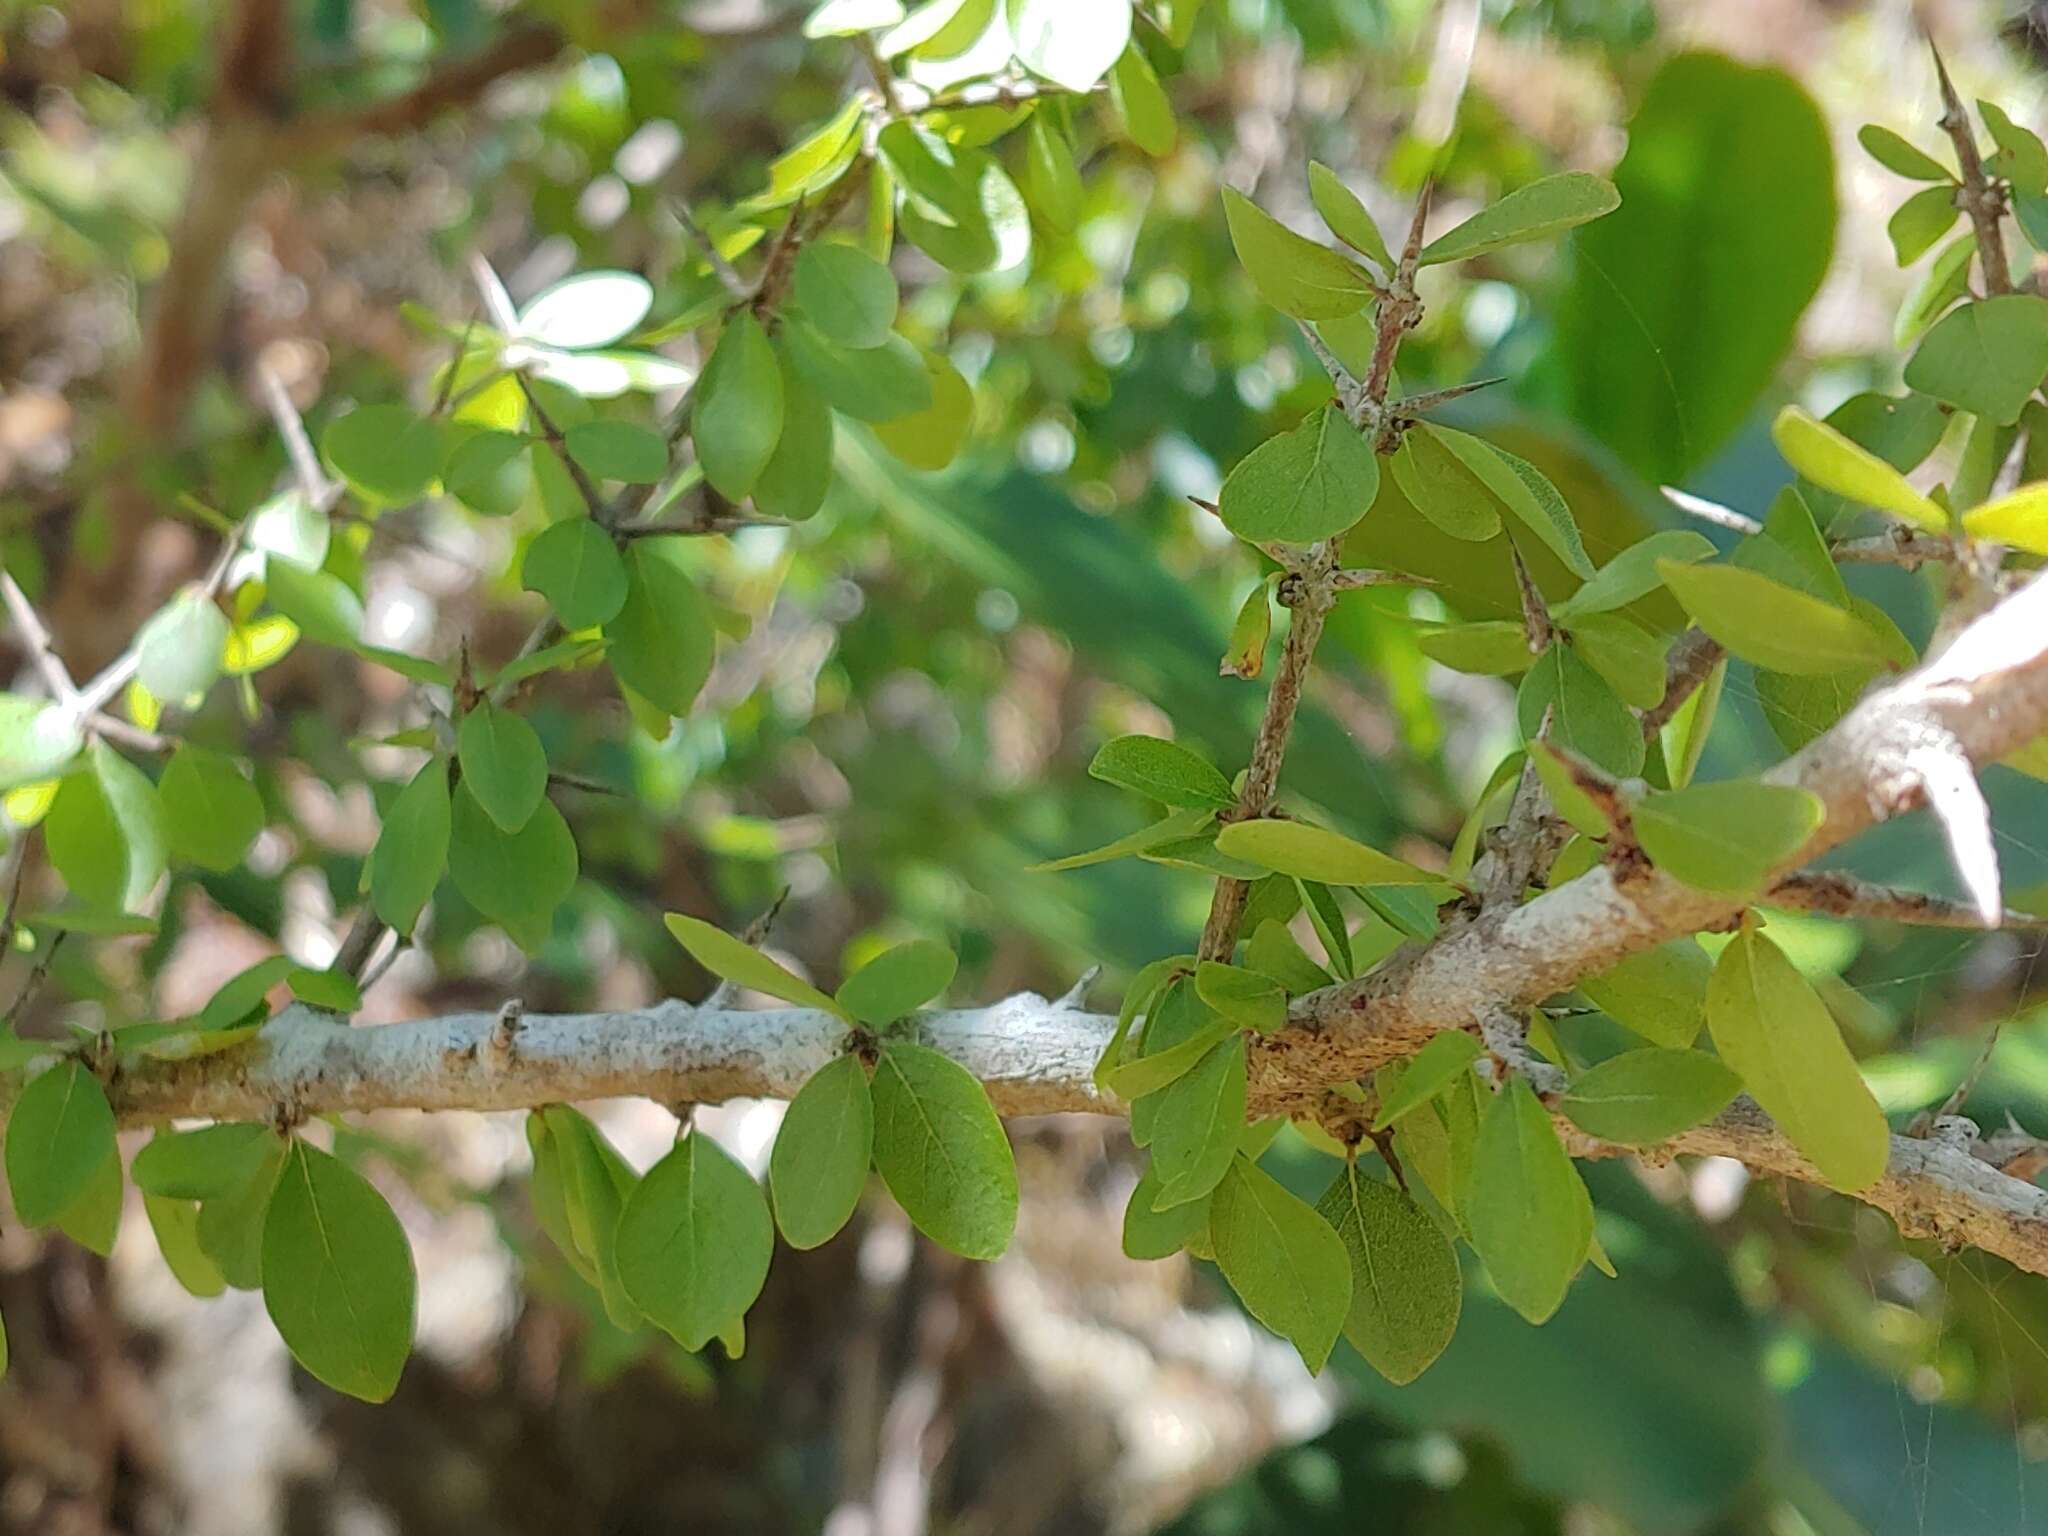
<point x="1983" y="697"/>
<point x="1035" y="1056"/>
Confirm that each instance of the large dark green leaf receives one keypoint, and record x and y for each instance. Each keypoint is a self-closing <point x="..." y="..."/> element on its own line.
<point x="1683" y="301"/>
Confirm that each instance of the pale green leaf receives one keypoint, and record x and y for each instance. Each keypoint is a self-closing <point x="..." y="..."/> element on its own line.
<point x="820" y="1162"/>
<point x="942" y="1152"/>
<point x="743" y="965"/>
<point x="1646" y="1096"/>
<point x="694" y="1241"/>
<point x="338" y="1276"/>
<point x="1772" y="1028"/>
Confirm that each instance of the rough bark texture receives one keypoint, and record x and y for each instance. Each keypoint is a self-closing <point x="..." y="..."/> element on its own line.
<point x="1982" y="697"/>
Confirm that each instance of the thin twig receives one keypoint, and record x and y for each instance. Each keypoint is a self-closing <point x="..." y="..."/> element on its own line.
<point x="1980" y="196"/>
<point x="585" y="486"/>
<point x="1840" y="895"/>
<point x="313" y="482"/>
<point x="1692" y="661"/>
<point x="1897" y="545"/>
<point x="1310" y="595"/>
<point x="728" y="276"/>
<point x="35" y="637"/>
<point x="755" y="935"/>
<point x="1710" y="511"/>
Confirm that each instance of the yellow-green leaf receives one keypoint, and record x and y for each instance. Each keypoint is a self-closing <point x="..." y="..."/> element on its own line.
<point x="1836" y="463"/>
<point x="1772" y="1027"/>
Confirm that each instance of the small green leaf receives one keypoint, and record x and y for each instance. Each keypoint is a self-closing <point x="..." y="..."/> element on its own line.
<point x="1488" y="647"/>
<point x="1643" y="1097"/>
<point x="737" y="414"/>
<point x="60" y="1130"/>
<point x="1244" y="997"/>
<point x="338" y="1276"/>
<point x="725" y="956"/>
<point x="322" y="605"/>
<point x="662" y="641"/>
<point x="1273" y="951"/>
<point x="1295" y="275"/>
<point x="490" y="472"/>
<point x="820" y="1162"/>
<point x="1152" y="1232"/>
<point x="412" y="848"/>
<point x="1659" y="993"/>
<point x="941" y="1150"/>
<point x="875" y="385"/>
<point x="1835" y="463"/>
<point x="694" y="1241"/>
<point x="1314" y="853"/>
<point x="2022" y="158"/>
<point x="2019" y="519"/>
<point x="1586" y="715"/>
<point x="1197" y="1123"/>
<point x="1292" y="1271"/>
<point x="1529" y="213"/>
<point x="1944" y="280"/>
<point x="1428" y="1073"/>
<point x="1051" y="180"/>
<point x="1436" y="481"/>
<point x="231" y="1224"/>
<point x="1525" y="491"/>
<point x="1632" y="574"/>
<point x="334" y="990"/>
<point x="242" y="996"/>
<point x="1555" y="769"/>
<point x="1162" y="770"/>
<point x="178" y="651"/>
<point x="503" y="764"/>
<point x="618" y="450"/>
<point x="1308" y="484"/>
<point x="516" y="879"/>
<point x="581" y="1187"/>
<point x="37" y="738"/>
<point x="105" y="832"/>
<point x="203" y="1164"/>
<point x="1530" y="1218"/>
<point x="1986" y="357"/>
<point x="1173" y="828"/>
<point x="1244" y="655"/>
<point x="1770" y="624"/>
<point x="1726" y="837"/>
<point x="1140" y="103"/>
<point x="1405" y="1290"/>
<point x="932" y="437"/>
<point x="176" y="1225"/>
<point x="1627" y="656"/>
<point x="799" y="473"/>
<point x="1900" y="157"/>
<point x="1770" y="1025"/>
<point x="575" y="565"/>
<point x="386" y="452"/>
<point x="1920" y="221"/>
<point x="1169" y="1055"/>
<point x="847" y="294"/>
<point x="93" y="1220"/>
<point x="289" y="527"/>
<point x="814" y="162"/>
<point x="897" y="982"/>
<point x="1346" y="215"/>
<point x="212" y="813"/>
